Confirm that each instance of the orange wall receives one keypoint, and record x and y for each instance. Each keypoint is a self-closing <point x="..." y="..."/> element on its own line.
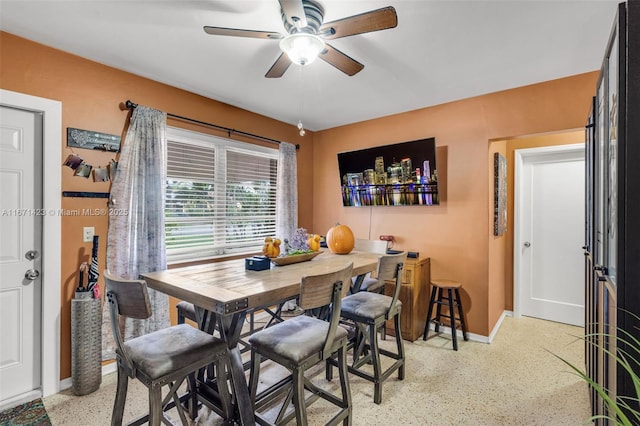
<point x="456" y="234"/>
<point x="496" y="283"/>
<point x="90" y="94"/>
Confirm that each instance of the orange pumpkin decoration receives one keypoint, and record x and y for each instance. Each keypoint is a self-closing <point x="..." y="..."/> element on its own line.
<point x="340" y="239"/>
<point x="271" y="247"/>
<point x="314" y="242"/>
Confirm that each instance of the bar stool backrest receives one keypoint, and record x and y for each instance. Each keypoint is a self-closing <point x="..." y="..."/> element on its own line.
<point x="127" y="298"/>
<point x="132" y="296"/>
<point x="390" y="269"/>
<point x="373" y="246"/>
<point x="321" y="296"/>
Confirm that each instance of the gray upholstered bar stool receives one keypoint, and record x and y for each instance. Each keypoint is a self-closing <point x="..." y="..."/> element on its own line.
<point x="300" y="343"/>
<point x="163" y="357"/>
<point x="369" y="311"/>
<point x="453" y="302"/>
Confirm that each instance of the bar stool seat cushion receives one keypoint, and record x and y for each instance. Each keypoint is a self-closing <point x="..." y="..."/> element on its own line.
<point x="295" y="339"/>
<point x="367" y="305"/>
<point x="170" y="349"/>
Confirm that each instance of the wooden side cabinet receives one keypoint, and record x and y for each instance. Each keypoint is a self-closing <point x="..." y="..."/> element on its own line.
<point x="414" y="295"/>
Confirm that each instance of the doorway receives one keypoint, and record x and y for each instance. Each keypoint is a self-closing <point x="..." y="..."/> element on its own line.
<point x="549" y="233"/>
<point x="47" y="329"/>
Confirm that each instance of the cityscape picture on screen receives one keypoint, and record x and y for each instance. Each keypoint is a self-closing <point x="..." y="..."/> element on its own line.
<point x="402" y="174"/>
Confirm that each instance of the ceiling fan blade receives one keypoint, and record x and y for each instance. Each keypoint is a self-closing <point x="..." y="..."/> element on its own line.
<point x="374" y="20"/>
<point x="234" y="32"/>
<point x="293" y="10"/>
<point x="344" y="63"/>
<point x="279" y="67"/>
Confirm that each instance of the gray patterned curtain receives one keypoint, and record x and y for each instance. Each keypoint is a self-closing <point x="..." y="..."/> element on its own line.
<point x="135" y="241"/>
<point x="287" y="197"/>
<point x="287" y="191"/>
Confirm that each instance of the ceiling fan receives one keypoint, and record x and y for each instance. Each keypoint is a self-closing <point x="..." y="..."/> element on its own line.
<point x="307" y="34"/>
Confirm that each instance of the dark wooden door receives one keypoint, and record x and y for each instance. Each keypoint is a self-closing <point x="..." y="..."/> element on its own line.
<point x="612" y="249"/>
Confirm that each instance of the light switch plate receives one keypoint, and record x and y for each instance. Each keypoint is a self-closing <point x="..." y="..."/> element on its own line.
<point x="87" y="233"/>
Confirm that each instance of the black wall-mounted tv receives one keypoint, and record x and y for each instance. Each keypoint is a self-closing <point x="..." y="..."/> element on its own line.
<point x="401" y="174"/>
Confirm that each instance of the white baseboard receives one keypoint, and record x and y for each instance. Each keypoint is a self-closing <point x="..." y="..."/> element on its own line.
<point x="106" y="369"/>
<point x="447" y="330"/>
<point x="472" y="336"/>
<point x="65" y="384"/>
<point x="109" y="368"/>
<point x="496" y="327"/>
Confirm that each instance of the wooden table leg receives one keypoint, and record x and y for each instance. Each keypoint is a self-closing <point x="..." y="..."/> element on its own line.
<point x="231" y="329"/>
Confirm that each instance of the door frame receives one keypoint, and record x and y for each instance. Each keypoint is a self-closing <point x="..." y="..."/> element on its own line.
<point x="51" y="229"/>
<point x="520" y="156"/>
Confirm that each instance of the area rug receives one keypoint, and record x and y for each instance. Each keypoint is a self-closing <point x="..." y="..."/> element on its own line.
<point x="31" y="413"/>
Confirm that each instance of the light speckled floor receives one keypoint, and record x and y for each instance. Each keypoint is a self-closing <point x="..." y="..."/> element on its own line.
<point x="513" y="381"/>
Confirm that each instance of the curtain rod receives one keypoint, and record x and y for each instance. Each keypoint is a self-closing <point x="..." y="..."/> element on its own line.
<point x="131" y="105"/>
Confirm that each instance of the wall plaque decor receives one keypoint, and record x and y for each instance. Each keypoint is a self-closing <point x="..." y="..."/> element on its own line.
<point x="88" y="139"/>
<point x="500" y="194"/>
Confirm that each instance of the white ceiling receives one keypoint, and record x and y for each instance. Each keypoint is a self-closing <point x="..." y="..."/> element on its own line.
<point x="440" y="51"/>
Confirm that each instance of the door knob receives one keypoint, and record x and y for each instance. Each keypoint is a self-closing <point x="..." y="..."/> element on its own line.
<point x="31" y="254"/>
<point x="32" y="274"/>
<point x="527" y="244"/>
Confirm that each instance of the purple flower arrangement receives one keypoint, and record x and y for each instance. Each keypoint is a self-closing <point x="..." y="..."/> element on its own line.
<point x="298" y="244"/>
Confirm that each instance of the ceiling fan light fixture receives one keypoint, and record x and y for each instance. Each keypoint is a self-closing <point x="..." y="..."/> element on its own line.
<point x="302" y="48"/>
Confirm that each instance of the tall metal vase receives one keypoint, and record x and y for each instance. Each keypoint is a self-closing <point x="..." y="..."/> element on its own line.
<point x="86" y="343"/>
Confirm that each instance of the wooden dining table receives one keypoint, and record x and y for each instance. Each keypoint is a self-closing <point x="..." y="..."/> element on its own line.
<point x="226" y="291"/>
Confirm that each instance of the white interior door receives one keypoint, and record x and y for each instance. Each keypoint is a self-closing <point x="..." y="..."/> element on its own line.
<point x="549" y="224"/>
<point x="20" y="252"/>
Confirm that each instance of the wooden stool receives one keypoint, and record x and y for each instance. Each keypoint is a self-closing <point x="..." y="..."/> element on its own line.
<point x="453" y="301"/>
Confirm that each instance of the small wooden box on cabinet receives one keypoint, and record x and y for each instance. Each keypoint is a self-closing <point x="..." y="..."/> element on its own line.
<point x="414" y="295"/>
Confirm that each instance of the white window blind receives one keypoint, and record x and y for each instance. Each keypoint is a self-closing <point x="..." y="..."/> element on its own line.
<point x="220" y="196"/>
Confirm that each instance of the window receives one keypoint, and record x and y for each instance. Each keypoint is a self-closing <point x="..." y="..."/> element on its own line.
<point x="220" y="196"/>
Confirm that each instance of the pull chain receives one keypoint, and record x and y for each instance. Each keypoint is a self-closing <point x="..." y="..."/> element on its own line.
<point x="300" y="125"/>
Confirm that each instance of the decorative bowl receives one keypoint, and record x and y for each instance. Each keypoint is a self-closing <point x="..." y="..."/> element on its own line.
<point x="296" y="258"/>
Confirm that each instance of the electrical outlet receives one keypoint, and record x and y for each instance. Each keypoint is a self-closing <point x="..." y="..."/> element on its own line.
<point x="87" y="233"/>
